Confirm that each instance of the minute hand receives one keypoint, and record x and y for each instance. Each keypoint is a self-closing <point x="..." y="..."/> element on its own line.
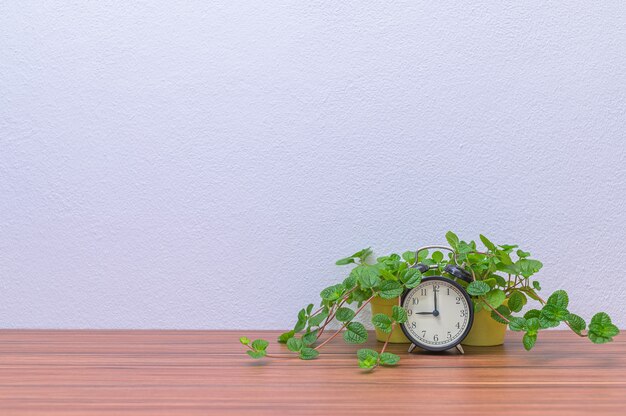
<point x="435" y="312"/>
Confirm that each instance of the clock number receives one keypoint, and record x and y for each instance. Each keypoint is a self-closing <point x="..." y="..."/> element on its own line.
<point x="449" y="334"/>
<point x="448" y="291"/>
<point x="409" y="312"/>
<point x="458" y="325"/>
<point x="463" y="312"/>
<point x="436" y="288"/>
<point x="413" y="325"/>
<point x="458" y="300"/>
<point x="435" y="337"/>
<point x="423" y="292"/>
<point x="416" y="301"/>
<point x="423" y="334"/>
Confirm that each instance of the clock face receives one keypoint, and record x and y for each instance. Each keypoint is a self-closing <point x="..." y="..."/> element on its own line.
<point x="440" y="314"/>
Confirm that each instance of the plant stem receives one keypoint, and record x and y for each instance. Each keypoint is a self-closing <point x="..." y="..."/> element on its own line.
<point x="393" y="325"/>
<point x="346" y="324"/>
<point x="330" y="316"/>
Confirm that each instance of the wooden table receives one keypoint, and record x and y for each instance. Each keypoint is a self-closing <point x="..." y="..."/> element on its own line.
<point x="207" y="373"/>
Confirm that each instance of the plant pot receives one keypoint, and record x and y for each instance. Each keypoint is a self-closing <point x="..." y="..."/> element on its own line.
<point x="485" y="331"/>
<point x="380" y="305"/>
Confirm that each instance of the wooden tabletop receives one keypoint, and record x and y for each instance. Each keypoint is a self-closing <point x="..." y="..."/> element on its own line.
<point x="207" y="373"/>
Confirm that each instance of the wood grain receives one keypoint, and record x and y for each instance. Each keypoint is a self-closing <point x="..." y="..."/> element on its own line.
<point x="207" y="373"/>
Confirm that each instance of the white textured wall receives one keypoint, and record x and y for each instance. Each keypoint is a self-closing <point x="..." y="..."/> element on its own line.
<point x="202" y="165"/>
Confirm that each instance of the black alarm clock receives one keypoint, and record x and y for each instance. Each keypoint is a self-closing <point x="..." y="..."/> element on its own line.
<point x="440" y="311"/>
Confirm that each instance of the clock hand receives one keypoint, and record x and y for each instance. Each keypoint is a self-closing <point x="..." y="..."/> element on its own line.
<point x="423" y="313"/>
<point x="435" y="312"/>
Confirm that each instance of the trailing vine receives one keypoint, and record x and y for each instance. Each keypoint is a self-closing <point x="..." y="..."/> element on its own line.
<point x="500" y="284"/>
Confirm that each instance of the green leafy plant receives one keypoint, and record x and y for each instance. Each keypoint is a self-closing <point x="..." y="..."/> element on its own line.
<point x="341" y="303"/>
<point x="504" y="281"/>
<point x="500" y="284"/>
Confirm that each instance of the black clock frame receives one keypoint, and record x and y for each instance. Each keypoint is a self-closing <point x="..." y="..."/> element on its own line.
<point x="470" y="319"/>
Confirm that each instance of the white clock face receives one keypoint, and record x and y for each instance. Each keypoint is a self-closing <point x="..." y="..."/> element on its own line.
<point x="438" y="314"/>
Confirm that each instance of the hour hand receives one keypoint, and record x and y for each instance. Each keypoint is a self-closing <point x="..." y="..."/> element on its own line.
<point x="424" y="313"/>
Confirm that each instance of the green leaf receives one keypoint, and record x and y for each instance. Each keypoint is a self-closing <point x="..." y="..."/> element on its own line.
<point x="368" y="363"/>
<point x="285" y="336"/>
<point x="260" y="344"/>
<point x="343" y="262"/>
<point x="517" y="301"/>
<point x="412" y="278"/>
<point x="294" y="344"/>
<point x="382" y="322"/>
<point x="366" y="353"/>
<point x="363" y="254"/>
<point x="546" y="322"/>
<point x="559" y="299"/>
<point x="495" y="297"/>
<point x="355" y="333"/>
<point x="319" y="318"/>
<point x="387" y="358"/>
<point x="490" y="246"/>
<point x="390" y="289"/>
<point x="477" y="288"/>
<point x="409" y="256"/>
<point x="344" y="314"/>
<point x="504" y="311"/>
<point x="463" y="248"/>
<point x="491" y="282"/>
<point x="332" y="293"/>
<point x="437" y="256"/>
<point x="522" y="254"/>
<point x="256" y="354"/>
<point x="399" y="314"/>
<point x="529" y="341"/>
<point x="387" y="275"/>
<point x="244" y="340"/>
<point x="350" y="281"/>
<point x="532" y="326"/>
<point x="554" y="313"/>
<point x="452" y="239"/>
<point x="359" y="295"/>
<point x="517" y="324"/>
<point x="368" y="277"/>
<point x="528" y="267"/>
<point x="307" y="353"/>
<point x="596" y="339"/>
<point x="576" y="323"/>
<point x="504" y="257"/>
<point x="501" y="281"/>
<point x="508" y="247"/>
<point x="533" y="313"/>
<point x="600" y="318"/>
<point x="601" y="329"/>
<point x="536" y="285"/>
<point x="302" y="318"/>
<point x="309" y="338"/>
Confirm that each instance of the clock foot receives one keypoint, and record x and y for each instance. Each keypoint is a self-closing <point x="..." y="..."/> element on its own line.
<point x="460" y="349"/>
<point x="412" y="347"/>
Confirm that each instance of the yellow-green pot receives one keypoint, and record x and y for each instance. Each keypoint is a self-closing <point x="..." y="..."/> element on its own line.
<point x="380" y="305"/>
<point x="485" y="331"/>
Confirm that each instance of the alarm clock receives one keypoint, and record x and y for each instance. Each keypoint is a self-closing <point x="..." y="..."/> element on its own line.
<point x="440" y="311"/>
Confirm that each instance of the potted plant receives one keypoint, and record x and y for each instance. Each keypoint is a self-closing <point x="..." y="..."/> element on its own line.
<point x="501" y="285"/>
